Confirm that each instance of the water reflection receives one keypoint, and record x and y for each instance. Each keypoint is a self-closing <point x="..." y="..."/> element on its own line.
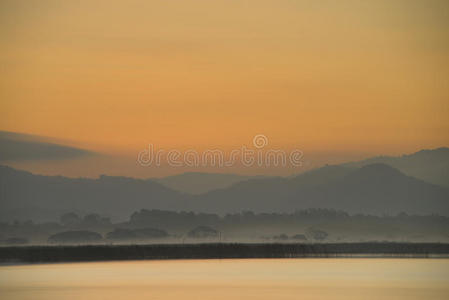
<point x="231" y="279"/>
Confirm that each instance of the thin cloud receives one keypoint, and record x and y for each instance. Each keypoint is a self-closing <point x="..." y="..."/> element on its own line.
<point x="24" y="147"/>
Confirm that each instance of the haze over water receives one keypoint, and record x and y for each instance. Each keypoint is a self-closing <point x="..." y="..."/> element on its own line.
<point x="227" y="128"/>
<point x="231" y="279"/>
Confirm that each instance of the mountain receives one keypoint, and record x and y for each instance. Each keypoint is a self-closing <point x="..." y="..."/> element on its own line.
<point x="429" y="165"/>
<point x="374" y="189"/>
<point x="25" y="195"/>
<point x="266" y="194"/>
<point x="197" y="183"/>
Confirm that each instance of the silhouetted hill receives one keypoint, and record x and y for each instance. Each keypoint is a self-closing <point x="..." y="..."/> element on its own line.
<point x="374" y="189"/>
<point x="429" y="165"/>
<point x="268" y="194"/>
<point x="321" y="175"/>
<point x="25" y="195"/>
<point x="379" y="189"/>
<point x="197" y="183"/>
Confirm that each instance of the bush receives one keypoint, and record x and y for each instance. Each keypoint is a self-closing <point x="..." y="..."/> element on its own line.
<point x="203" y="232"/>
<point x="79" y="236"/>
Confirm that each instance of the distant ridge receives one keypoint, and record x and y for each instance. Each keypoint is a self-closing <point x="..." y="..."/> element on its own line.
<point x="375" y="188"/>
<point x="372" y="189"/>
<point x="29" y="196"/>
<point x="197" y="183"/>
<point x="431" y="165"/>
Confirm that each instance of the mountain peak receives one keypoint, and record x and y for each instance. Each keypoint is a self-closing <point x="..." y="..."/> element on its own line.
<point x="377" y="170"/>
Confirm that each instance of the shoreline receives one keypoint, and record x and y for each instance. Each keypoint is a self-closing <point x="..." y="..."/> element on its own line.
<point x="85" y="253"/>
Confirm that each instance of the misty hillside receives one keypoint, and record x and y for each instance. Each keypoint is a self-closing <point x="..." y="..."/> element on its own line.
<point x="373" y="189"/>
<point x="429" y="165"/>
<point x="34" y="196"/>
<point x="197" y="183"/>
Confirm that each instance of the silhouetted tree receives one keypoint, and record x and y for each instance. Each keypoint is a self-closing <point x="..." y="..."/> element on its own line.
<point x="78" y="236"/>
<point x="299" y="237"/>
<point x="92" y="219"/>
<point x="70" y="219"/>
<point x="317" y="234"/>
<point x="203" y="232"/>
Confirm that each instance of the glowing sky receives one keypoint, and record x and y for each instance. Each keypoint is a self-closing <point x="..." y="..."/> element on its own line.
<point x="112" y="76"/>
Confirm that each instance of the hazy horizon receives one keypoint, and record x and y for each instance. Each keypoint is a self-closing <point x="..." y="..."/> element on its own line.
<point x="338" y="81"/>
<point x="250" y="148"/>
<point x="35" y="154"/>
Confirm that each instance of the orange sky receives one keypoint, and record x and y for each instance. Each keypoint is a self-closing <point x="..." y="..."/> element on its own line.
<point x="112" y="76"/>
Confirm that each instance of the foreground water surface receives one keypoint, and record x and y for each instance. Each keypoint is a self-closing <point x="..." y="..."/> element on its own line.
<point x="340" y="278"/>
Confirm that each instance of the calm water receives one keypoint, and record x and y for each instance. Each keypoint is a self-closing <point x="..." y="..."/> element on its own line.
<point x="231" y="279"/>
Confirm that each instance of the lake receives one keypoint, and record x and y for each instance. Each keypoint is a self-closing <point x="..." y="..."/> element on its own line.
<point x="341" y="278"/>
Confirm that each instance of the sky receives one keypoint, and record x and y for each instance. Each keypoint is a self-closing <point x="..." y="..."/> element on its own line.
<point x="339" y="80"/>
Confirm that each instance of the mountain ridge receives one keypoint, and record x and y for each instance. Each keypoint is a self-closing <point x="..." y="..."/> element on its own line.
<point x="375" y="188"/>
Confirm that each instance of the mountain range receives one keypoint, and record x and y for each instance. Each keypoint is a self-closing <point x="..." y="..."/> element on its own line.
<point x="27" y="196"/>
<point x="372" y="189"/>
<point x="429" y="165"/>
<point x="363" y="187"/>
<point x="198" y="183"/>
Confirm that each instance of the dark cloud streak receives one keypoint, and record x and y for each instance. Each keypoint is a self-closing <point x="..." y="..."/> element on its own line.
<point x="24" y="147"/>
